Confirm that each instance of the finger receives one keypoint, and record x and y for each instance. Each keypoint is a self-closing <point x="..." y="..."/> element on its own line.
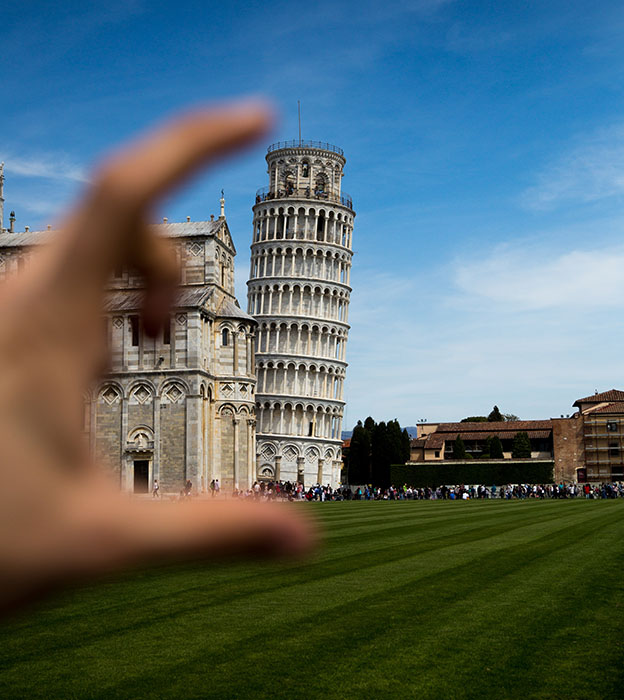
<point x="102" y="232"/>
<point x="143" y="172"/>
<point x="107" y="535"/>
<point x="154" y="257"/>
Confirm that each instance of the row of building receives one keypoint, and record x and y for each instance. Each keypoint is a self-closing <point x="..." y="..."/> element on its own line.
<point x="585" y="446"/>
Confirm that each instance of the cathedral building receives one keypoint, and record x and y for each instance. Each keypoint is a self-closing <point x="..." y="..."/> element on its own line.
<point x="299" y="292"/>
<point x="181" y="406"/>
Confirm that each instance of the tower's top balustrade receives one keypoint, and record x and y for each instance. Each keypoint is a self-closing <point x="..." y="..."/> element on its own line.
<point x="303" y="143"/>
<point x="266" y="193"/>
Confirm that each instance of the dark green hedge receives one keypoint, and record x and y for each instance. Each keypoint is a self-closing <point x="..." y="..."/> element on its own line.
<point x="487" y="473"/>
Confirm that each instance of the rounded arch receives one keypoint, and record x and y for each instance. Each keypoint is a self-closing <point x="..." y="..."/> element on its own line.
<point x="141" y="437"/>
<point x="266" y="472"/>
<point x="226" y="409"/>
<point x="290" y="452"/>
<point x="312" y="453"/>
<point x="174" y="389"/>
<point x="110" y="393"/>
<point x="268" y="450"/>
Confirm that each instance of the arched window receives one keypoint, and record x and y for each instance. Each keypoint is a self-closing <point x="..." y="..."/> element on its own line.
<point x="305" y="169"/>
<point x="321" y="185"/>
<point x="225" y="337"/>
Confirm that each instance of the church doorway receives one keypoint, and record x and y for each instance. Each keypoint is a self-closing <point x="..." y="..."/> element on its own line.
<point x="141" y="476"/>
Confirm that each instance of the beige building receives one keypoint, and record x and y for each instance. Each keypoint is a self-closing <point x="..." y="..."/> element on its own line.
<point x="586" y="446"/>
<point x="435" y="440"/>
<point x="181" y="406"/>
<point x="600" y="437"/>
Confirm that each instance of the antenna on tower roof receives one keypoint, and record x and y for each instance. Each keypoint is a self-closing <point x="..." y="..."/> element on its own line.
<point x="299" y="115"/>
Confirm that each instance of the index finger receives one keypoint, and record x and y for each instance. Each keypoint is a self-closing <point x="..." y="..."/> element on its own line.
<point x="101" y="233"/>
<point x="144" y="171"/>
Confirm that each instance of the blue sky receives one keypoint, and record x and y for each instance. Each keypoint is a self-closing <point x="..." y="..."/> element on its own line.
<point x="485" y="157"/>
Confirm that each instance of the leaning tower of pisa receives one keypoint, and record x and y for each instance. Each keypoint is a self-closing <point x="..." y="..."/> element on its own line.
<point x="298" y="292"/>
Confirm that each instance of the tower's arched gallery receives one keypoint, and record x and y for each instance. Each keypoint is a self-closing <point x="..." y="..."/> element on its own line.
<point x="298" y="292"/>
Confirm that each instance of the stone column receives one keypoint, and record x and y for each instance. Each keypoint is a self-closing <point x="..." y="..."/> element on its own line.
<point x="172" y="340"/>
<point x="124" y="437"/>
<point x="250" y="452"/>
<point x="124" y="343"/>
<point x="278" y="462"/>
<point x="93" y="425"/>
<point x="236" y="422"/>
<point x="193" y="439"/>
<point x="193" y="339"/>
<point x="215" y="465"/>
<point x="319" y="473"/>
<point x="156" y="455"/>
<point x="301" y="470"/>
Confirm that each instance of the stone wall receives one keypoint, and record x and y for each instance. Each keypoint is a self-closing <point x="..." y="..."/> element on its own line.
<point x="173" y="446"/>
<point x="567" y="447"/>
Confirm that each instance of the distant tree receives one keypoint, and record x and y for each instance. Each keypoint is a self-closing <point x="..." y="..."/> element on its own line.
<point x="510" y="416"/>
<point x="406" y="446"/>
<point x="495" y="415"/>
<point x="496" y="448"/>
<point x="359" y="457"/>
<point x="485" y="453"/>
<point x="381" y="453"/>
<point x="396" y="443"/>
<point x="521" y="447"/>
<point x="474" y="419"/>
<point x="369" y="425"/>
<point x="374" y="447"/>
<point x="459" y="449"/>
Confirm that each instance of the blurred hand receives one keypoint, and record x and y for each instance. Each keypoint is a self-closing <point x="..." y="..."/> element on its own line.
<point x="61" y="520"/>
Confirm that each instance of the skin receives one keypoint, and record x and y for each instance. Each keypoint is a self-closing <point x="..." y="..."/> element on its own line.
<point x="61" y="520"/>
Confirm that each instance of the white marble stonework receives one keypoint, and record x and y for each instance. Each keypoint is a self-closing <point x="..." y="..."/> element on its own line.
<point x="299" y="291"/>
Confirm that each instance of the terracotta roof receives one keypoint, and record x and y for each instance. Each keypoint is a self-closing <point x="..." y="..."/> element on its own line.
<point x="436" y="440"/>
<point x="418" y="442"/>
<point x="346" y="443"/>
<point x="514" y="426"/>
<point x="611" y="395"/>
<point x="616" y="407"/>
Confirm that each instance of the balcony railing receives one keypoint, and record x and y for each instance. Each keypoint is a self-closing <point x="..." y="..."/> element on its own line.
<point x="266" y="193"/>
<point x="302" y="143"/>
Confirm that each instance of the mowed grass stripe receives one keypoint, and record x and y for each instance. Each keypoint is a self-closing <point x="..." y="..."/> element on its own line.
<point x="297" y="638"/>
<point x="420" y="601"/>
<point x="391" y="550"/>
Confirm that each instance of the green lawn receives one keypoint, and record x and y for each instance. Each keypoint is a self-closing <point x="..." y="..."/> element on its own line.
<point x="404" y="600"/>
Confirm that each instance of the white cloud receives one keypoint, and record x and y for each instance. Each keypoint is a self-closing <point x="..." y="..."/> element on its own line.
<point x="592" y="170"/>
<point x="520" y="327"/>
<point x="535" y="278"/>
<point x="49" y="166"/>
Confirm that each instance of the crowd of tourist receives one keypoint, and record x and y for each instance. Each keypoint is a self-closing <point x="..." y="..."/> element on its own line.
<point x="286" y="490"/>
